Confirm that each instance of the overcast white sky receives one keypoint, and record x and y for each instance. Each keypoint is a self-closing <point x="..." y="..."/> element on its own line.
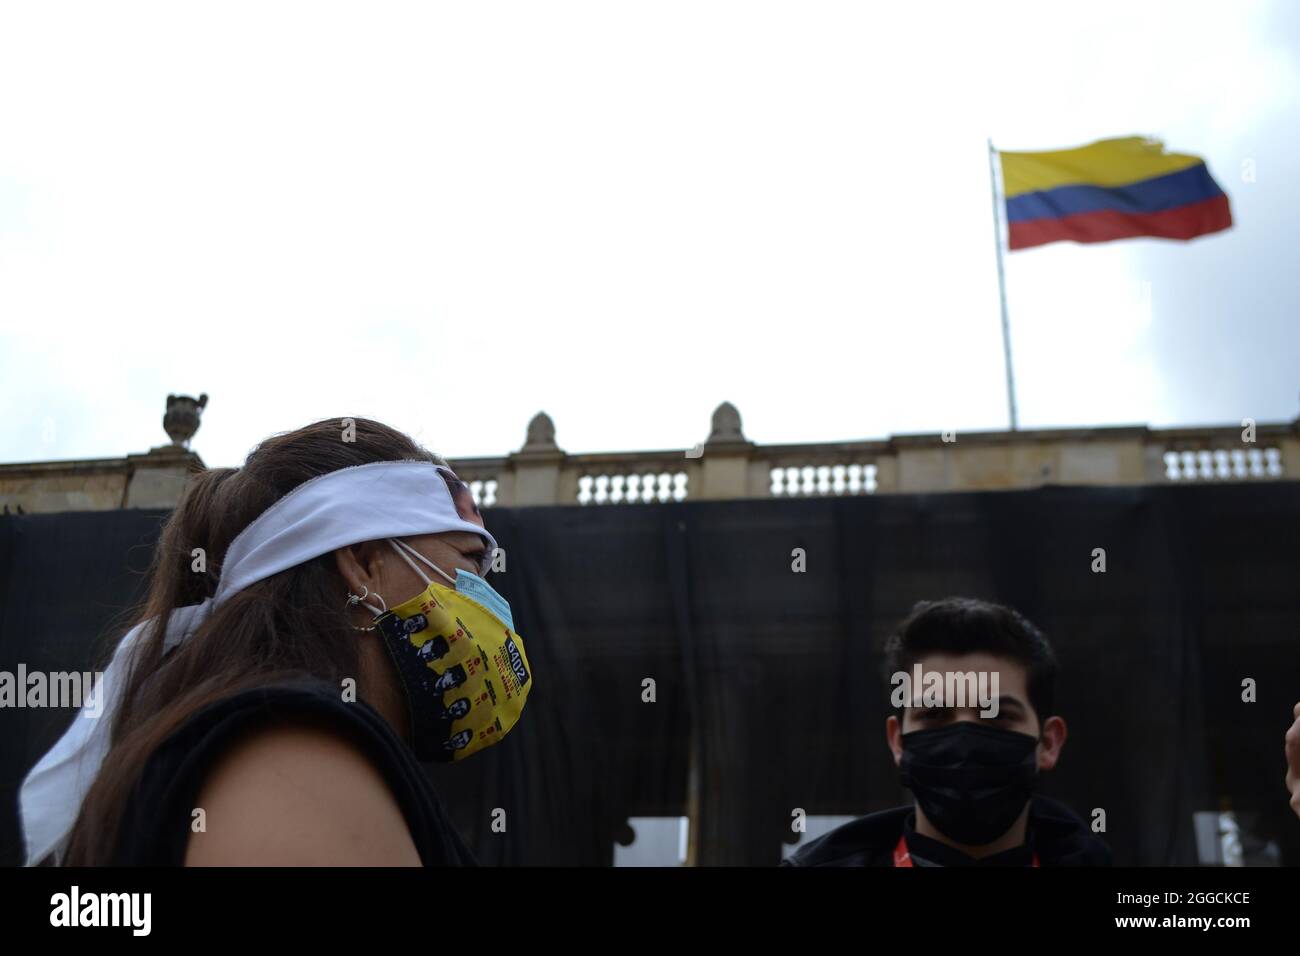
<point x="450" y="216"/>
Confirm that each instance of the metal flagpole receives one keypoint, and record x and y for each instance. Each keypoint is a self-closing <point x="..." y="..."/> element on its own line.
<point x="1002" y="285"/>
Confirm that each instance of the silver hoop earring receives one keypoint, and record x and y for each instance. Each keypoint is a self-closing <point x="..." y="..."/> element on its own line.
<point x="355" y="599"/>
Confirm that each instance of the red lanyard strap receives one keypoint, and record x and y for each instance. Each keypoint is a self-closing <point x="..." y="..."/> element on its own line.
<point x="904" y="858"/>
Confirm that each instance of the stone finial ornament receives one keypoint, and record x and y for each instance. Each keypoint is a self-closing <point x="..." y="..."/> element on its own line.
<point x="183" y="418"/>
<point x="541" y="434"/>
<point x="726" y="425"/>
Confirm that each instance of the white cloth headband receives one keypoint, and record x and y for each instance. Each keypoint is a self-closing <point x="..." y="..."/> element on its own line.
<point x="388" y="499"/>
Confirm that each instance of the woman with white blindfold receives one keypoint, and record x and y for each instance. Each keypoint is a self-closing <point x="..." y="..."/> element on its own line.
<point x="317" y="622"/>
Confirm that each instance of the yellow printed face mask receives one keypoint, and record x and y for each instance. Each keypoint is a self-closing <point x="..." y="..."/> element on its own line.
<point x="461" y="665"/>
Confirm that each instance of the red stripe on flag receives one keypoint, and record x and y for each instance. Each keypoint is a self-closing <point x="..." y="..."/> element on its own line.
<point x="1184" y="222"/>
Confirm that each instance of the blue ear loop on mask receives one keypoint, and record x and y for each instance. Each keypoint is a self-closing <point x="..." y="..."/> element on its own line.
<point x="466" y="582"/>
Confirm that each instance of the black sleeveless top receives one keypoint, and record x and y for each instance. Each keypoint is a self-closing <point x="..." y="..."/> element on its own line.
<point x="155" y="829"/>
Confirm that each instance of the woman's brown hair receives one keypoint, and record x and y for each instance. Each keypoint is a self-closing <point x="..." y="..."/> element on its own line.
<point x="289" y="625"/>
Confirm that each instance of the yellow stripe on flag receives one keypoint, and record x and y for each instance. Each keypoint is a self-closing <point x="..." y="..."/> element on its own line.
<point x="1107" y="162"/>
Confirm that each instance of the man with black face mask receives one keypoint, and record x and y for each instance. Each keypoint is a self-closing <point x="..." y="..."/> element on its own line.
<point x="972" y="761"/>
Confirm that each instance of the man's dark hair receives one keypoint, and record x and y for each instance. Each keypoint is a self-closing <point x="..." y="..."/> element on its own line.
<point x="957" y="625"/>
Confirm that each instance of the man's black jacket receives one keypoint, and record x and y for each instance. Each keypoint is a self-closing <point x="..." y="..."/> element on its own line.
<point x="1055" y="834"/>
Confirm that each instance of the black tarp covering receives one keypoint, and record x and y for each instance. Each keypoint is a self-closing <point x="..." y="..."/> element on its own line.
<point x="768" y="681"/>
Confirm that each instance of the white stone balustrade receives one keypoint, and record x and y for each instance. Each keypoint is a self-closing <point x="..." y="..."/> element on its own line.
<point x="730" y="466"/>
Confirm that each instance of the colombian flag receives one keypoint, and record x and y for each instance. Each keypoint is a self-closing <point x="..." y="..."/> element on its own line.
<point x="1111" y="189"/>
